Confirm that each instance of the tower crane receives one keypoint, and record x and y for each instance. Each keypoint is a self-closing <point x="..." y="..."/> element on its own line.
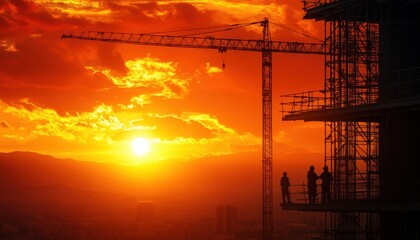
<point x="266" y="46"/>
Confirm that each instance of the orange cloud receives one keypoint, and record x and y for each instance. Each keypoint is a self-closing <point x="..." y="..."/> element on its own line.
<point x="146" y="72"/>
<point x="212" y="69"/>
<point x="4" y="124"/>
<point x="113" y="130"/>
<point x="8" y="46"/>
<point x="159" y="77"/>
<point x="58" y="95"/>
<point x="94" y="10"/>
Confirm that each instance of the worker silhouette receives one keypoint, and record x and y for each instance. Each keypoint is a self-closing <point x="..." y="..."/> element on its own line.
<point x="326" y="178"/>
<point x="312" y="177"/>
<point x="285" y="183"/>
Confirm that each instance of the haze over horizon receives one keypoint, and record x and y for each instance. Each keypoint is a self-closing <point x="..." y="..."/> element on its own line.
<point x="222" y="176"/>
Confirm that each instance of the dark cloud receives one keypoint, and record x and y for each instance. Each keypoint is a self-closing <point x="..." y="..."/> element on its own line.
<point x="20" y="17"/>
<point x="51" y="72"/>
<point x="109" y="58"/>
<point x="40" y="62"/>
<point x="46" y="69"/>
<point x="170" y="128"/>
<point x="4" y="124"/>
<point x="189" y="14"/>
<point x="151" y="16"/>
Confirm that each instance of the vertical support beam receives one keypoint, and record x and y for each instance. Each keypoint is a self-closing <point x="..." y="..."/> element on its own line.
<point x="267" y="148"/>
<point x="351" y="79"/>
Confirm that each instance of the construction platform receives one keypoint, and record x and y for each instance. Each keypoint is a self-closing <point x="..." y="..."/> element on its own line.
<point x="327" y="10"/>
<point x="367" y="112"/>
<point x="352" y="206"/>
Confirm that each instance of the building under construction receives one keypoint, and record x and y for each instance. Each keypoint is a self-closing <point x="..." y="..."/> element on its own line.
<point x="370" y="105"/>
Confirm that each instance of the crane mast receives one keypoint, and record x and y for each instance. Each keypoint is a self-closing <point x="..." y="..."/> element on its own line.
<point x="267" y="134"/>
<point x="266" y="46"/>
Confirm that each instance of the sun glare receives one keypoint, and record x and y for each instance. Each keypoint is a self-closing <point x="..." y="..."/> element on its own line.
<point x="140" y="146"/>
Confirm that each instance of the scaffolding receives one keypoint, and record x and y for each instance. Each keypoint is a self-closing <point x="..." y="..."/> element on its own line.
<point x="350" y="106"/>
<point x="351" y="148"/>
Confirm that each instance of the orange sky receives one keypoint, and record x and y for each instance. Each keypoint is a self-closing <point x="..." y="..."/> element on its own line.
<point x="89" y="100"/>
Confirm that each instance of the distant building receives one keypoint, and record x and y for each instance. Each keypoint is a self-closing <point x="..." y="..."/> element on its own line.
<point x="226" y="220"/>
<point x="145" y="211"/>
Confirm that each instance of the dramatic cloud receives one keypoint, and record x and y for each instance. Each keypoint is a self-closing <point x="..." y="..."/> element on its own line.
<point x="60" y="95"/>
<point x="207" y="136"/>
<point x="212" y="69"/>
<point x="4" y="124"/>
<point x="150" y="72"/>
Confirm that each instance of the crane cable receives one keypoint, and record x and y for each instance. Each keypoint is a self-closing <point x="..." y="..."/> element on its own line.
<point x="222" y="30"/>
<point x="295" y="31"/>
<point x="226" y="28"/>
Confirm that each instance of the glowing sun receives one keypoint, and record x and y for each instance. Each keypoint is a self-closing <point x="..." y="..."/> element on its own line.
<point x="140" y="146"/>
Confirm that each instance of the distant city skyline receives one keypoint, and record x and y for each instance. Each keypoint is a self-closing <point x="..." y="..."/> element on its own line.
<point x="226" y="220"/>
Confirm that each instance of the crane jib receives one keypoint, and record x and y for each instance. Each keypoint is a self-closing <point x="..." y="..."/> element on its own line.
<point x="201" y="42"/>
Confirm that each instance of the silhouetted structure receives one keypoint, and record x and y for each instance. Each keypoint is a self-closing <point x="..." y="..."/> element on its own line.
<point x="285" y="185"/>
<point x="326" y="178"/>
<point x="371" y="108"/>
<point x="226" y="220"/>
<point x="312" y="177"/>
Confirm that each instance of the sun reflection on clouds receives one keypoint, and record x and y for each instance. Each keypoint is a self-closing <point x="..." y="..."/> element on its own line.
<point x="205" y="120"/>
<point x="141" y="100"/>
<point x="109" y="129"/>
<point x="8" y="46"/>
<point x="212" y="69"/>
<point x="86" y="8"/>
<point x="225" y="10"/>
<point x="107" y="123"/>
<point x="151" y="73"/>
<point x="47" y="122"/>
<point x="241" y="10"/>
<point x="225" y="140"/>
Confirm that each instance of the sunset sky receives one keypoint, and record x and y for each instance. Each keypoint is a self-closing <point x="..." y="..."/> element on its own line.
<point x="90" y="100"/>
